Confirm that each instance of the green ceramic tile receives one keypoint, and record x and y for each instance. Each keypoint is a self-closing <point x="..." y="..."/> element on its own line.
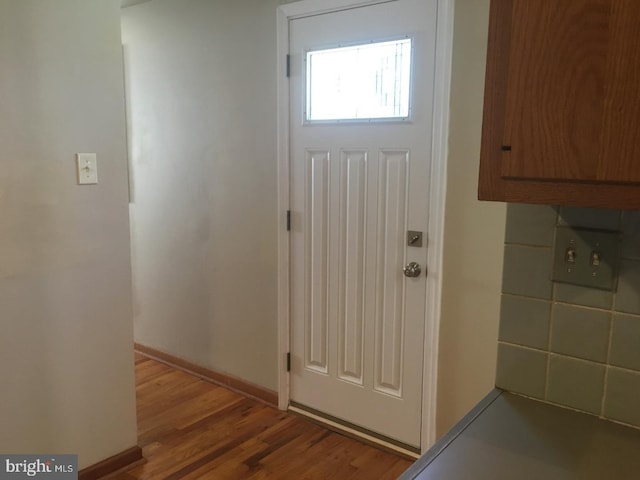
<point x="525" y="321"/>
<point x="527" y="271"/>
<point x="521" y="370"/>
<point x="621" y="398"/>
<point x="577" y="295"/>
<point x="580" y="332"/>
<point x="576" y="383"/>
<point x="625" y="342"/>
<point x="631" y="236"/>
<point x="599" y="218"/>
<point x="530" y="224"/>
<point x="628" y="295"/>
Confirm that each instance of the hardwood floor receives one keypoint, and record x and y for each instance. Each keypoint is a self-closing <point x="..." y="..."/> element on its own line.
<point x="192" y="429"/>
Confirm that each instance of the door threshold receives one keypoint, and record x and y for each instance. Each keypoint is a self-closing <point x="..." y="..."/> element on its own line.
<point x="353" y="431"/>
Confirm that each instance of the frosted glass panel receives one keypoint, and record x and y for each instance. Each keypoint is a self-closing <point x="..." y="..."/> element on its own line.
<point x="359" y="82"/>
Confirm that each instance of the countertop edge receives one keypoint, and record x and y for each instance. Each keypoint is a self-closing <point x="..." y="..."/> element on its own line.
<point x="430" y="455"/>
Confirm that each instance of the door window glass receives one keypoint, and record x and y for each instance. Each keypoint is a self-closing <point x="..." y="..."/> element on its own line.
<point x="359" y="82"/>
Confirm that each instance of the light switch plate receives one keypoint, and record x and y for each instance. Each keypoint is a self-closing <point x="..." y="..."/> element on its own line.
<point x="87" y="166"/>
<point x="586" y="257"/>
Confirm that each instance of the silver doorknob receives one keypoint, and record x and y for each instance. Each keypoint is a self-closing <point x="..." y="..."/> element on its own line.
<point x="412" y="270"/>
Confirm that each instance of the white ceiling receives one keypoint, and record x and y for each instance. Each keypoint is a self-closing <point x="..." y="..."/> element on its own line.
<point x="128" y="3"/>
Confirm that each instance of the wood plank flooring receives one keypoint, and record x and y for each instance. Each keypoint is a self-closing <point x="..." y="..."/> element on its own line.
<point x="192" y="429"/>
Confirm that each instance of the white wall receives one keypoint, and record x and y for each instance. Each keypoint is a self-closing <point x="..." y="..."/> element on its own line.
<point x="201" y="90"/>
<point x="66" y="356"/>
<point x="474" y="233"/>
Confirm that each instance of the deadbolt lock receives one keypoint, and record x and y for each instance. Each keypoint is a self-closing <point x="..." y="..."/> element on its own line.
<point x="414" y="238"/>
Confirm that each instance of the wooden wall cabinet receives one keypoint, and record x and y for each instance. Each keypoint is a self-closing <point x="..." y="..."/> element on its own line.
<point x="562" y="103"/>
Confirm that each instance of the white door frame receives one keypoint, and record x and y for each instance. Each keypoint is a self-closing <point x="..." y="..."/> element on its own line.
<point x="444" y="41"/>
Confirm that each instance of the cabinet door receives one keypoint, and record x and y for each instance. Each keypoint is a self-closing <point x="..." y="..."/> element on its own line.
<point x="572" y="106"/>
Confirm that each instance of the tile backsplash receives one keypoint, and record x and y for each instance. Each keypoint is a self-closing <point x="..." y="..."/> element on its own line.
<point x="570" y="345"/>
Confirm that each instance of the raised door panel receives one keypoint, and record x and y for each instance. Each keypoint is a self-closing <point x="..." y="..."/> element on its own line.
<point x="316" y="278"/>
<point x="352" y="260"/>
<point x="390" y="295"/>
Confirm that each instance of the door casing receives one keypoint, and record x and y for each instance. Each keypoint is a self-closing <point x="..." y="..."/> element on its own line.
<point x="444" y="43"/>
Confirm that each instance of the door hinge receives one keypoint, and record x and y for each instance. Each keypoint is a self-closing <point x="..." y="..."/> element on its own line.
<point x="288" y="220"/>
<point x="288" y="361"/>
<point x="288" y="65"/>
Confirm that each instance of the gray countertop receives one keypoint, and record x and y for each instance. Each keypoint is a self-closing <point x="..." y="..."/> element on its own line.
<point x="508" y="437"/>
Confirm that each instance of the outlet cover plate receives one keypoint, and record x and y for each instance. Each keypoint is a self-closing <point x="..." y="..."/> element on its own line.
<point x="584" y="243"/>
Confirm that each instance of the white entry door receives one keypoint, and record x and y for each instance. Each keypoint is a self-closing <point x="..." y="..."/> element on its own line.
<point x="361" y="95"/>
